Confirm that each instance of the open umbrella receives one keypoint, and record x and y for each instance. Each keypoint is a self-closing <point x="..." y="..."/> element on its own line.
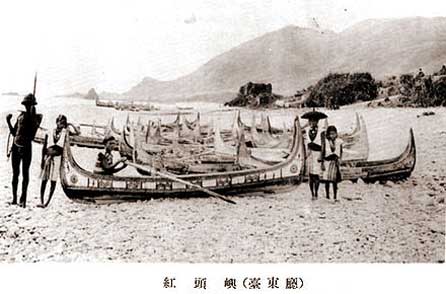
<point x="314" y="115"/>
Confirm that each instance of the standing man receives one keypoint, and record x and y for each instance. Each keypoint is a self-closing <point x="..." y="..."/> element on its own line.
<point x="23" y="131"/>
<point x="314" y="160"/>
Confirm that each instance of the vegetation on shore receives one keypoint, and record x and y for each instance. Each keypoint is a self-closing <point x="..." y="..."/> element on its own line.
<point x="337" y="89"/>
<point x="408" y="90"/>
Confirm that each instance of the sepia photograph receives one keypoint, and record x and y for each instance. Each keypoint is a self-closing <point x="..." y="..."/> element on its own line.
<point x="223" y="132"/>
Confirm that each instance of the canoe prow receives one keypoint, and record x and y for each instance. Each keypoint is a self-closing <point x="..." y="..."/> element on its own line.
<point x="394" y="169"/>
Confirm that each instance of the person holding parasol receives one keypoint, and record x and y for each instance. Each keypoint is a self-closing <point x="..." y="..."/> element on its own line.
<point x="315" y="163"/>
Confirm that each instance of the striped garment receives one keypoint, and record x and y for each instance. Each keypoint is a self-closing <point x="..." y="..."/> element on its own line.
<point x="332" y="171"/>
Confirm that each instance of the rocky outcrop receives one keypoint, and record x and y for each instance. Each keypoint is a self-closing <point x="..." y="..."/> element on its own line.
<point x="91" y="95"/>
<point x="254" y="95"/>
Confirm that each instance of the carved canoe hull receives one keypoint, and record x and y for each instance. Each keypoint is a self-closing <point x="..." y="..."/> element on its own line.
<point x="81" y="184"/>
<point x="394" y="169"/>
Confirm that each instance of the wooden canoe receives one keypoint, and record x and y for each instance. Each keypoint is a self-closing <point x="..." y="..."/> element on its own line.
<point x="76" y="140"/>
<point x="81" y="184"/>
<point x="357" y="140"/>
<point x="356" y="145"/>
<point x="393" y="169"/>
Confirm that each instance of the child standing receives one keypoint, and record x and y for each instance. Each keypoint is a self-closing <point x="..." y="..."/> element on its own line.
<point x="52" y="157"/>
<point x="332" y="154"/>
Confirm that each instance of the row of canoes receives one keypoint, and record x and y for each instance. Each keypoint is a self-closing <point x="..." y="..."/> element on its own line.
<point x="219" y="164"/>
<point x="183" y="131"/>
<point x="79" y="183"/>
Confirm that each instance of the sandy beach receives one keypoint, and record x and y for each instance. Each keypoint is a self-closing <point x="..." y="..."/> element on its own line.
<point x="402" y="222"/>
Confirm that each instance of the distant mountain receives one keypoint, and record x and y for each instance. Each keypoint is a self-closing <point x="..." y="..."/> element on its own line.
<point x="293" y="57"/>
<point x="389" y="46"/>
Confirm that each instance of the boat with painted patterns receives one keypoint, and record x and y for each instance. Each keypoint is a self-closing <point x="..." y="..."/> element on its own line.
<point x="81" y="184"/>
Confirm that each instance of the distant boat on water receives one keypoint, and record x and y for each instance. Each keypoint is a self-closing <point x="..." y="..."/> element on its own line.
<point x="183" y="107"/>
<point x="125" y="105"/>
<point x="10" y="94"/>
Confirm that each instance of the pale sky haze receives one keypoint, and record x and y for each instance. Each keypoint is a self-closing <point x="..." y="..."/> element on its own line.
<point x="112" y="45"/>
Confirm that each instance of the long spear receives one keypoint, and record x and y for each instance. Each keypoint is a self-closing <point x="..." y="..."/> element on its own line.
<point x="9" y="141"/>
<point x="35" y="85"/>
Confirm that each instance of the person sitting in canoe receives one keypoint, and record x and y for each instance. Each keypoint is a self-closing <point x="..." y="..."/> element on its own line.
<point x="332" y="154"/>
<point x="104" y="163"/>
<point x="52" y="157"/>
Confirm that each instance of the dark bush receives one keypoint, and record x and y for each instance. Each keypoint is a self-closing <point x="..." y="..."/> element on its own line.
<point x="339" y="89"/>
<point x="407" y="80"/>
<point x="439" y="92"/>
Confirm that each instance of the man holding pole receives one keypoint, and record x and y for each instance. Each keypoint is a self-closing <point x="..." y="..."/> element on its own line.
<point x="23" y="131"/>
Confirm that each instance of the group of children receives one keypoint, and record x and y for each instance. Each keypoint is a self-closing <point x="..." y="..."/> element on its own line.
<point x="324" y="153"/>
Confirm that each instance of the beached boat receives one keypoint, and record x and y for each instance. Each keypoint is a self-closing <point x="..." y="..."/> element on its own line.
<point x="265" y="124"/>
<point x="265" y="138"/>
<point x="88" y="141"/>
<point x="184" y="107"/>
<point x="274" y="148"/>
<point x="355" y="168"/>
<point x="110" y="129"/>
<point x="81" y="184"/>
<point x="393" y="169"/>
<point x="192" y="124"/>
<point x="346" y="137"/>
<point x="179" y="158"/>
<point x="356" y="144"/>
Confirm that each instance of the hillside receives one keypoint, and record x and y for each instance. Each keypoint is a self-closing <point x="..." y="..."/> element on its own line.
<point x="386" y="47"/>
<point x="294" y="57"/>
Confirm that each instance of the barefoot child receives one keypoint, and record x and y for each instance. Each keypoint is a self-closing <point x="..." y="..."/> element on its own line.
<point x="332" y="154"/>
<point x="52" y="157"/>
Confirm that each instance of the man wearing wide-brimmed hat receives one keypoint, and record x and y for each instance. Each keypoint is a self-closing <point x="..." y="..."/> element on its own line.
<point x="23" y="131"/>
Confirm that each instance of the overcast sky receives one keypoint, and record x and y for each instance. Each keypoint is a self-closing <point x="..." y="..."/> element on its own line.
<point x="112" y="45"/>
